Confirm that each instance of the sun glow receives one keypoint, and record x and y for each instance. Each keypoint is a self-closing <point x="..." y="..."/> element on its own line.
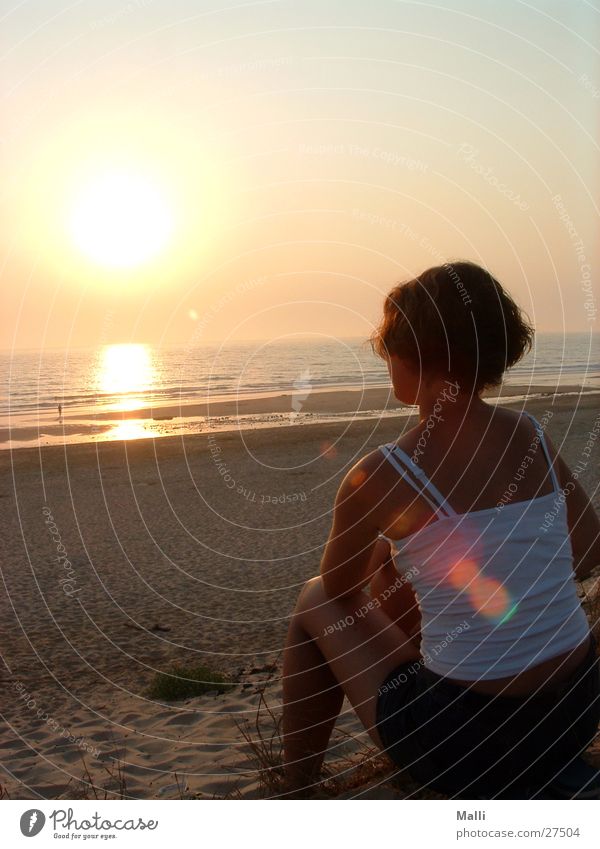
<point x="125" y="370"/>
<point x="120" y="219"/>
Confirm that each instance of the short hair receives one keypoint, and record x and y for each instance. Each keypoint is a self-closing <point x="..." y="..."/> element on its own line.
<point x="456" y="321"/>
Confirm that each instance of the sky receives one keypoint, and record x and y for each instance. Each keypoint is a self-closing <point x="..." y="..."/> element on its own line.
<point x="179" y="172"/>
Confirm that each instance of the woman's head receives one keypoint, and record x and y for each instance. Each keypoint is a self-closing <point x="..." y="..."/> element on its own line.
<point x="453" y="322"/>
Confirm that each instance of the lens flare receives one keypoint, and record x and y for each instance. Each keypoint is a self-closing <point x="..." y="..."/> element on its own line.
<point x="487" y="596"/>
<point x="328" y="450"/>
<point x="358" y="478"/>
<point x="463" y="573"/>
<point x="404" y="523"/>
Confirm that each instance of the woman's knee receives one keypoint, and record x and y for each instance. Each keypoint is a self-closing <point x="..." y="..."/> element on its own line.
<point x="316" y="609"/>
<point x="311" y="595"/>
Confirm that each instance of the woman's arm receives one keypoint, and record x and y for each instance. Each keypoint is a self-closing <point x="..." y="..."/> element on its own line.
<point x="582" y="519"/>
<point x="353" y="552"/>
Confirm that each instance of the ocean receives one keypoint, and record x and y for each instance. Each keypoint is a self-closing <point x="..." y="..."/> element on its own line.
<point x="132" y="375"/>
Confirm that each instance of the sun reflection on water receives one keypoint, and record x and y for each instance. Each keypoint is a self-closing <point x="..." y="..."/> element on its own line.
<point x="125" y="372"/>
<point x="132" y="429"/>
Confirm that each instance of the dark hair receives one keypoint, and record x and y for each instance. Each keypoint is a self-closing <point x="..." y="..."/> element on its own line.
<point x="454" y="320"/>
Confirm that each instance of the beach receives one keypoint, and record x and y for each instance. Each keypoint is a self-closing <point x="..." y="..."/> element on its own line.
<point x="137" y="420"/>
<point x="125" y="557"/>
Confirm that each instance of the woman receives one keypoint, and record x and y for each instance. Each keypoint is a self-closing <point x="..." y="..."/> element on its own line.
<point x="445" y="609"/>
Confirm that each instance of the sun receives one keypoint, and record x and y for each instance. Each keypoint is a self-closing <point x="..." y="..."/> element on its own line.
<point x="120" y="219"/>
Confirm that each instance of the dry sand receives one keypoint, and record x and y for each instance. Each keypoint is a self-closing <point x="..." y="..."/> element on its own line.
<point x="169" y="563"/>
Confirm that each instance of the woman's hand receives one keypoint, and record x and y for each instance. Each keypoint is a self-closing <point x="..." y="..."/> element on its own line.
<point x="382" y="554"/>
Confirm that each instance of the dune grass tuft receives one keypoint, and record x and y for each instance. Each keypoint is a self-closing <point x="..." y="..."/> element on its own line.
<point x="184" y="682"/>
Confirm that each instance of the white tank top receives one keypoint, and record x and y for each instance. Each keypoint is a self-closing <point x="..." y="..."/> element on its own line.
<point x="495" y="587"/>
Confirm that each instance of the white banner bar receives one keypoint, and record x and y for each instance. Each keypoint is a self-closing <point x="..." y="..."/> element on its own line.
<point x="174" y="824"/>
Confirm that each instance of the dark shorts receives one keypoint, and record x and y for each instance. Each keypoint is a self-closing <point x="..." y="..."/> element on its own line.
<point x="462" y="743"/>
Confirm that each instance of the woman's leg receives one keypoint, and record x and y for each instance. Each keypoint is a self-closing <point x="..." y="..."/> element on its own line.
<point x="335" y="647"/>
<point x="397" y="598"/>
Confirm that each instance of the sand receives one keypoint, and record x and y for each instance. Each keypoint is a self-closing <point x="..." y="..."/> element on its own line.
<point x="169" y="563"/>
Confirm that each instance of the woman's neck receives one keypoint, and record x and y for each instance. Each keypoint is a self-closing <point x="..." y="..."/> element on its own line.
<point x="445" y="402"/>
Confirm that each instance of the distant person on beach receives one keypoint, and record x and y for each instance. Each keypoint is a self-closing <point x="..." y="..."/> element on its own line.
<point x="446" y="608"/>
<point x="59" y="411"/>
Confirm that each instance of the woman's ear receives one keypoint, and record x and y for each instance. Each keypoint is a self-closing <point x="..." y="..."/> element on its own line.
<point x="404" y="380"/>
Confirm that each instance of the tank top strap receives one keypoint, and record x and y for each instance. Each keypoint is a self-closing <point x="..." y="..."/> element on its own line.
<point x="426" y="490"/>
<point x="540" y="432"/>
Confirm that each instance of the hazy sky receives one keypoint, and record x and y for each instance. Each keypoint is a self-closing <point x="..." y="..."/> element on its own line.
<point x="305" y="155"/>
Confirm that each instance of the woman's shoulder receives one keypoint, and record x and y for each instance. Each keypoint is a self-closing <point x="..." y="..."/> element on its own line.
<point x="370" y="475"/>
<point x="374" y="475"/>
<point x="368" y="468"/>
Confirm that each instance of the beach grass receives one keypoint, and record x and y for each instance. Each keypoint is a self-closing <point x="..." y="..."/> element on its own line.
<point x="185" y="682"/>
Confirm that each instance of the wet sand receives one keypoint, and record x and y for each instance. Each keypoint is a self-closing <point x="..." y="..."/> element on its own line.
<point x="283" y="409"/>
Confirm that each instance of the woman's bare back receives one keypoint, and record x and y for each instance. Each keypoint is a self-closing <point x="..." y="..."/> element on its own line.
<point x="490" y="456"/>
